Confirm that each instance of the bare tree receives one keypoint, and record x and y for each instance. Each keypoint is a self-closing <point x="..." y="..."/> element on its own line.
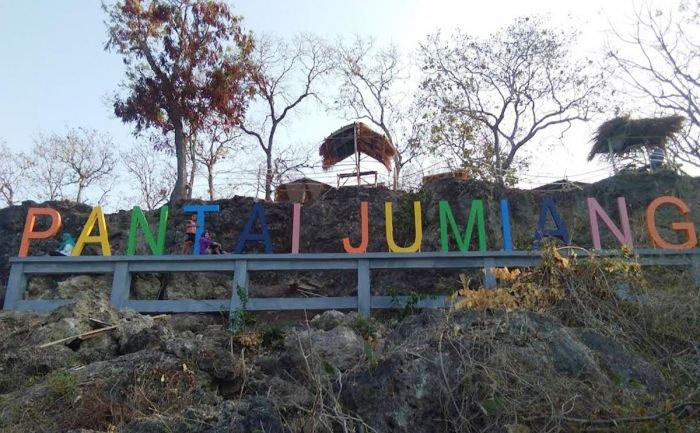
<point x="13" y="167"/>
<point x="154" y="174"/>
<point x="658" y="62"/>
<point x="87" y="155"/>
<point x="80" y="158"/>
<point x="47" y="175"/>
<point x="371" y="81"/>
<point x="212" y="148"/>
<point x="517" y="83"/>
<point x="288" y="74"/>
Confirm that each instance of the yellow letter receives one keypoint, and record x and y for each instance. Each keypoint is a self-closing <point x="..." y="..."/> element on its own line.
<point x="415" y="246"/>
<point x="96" y="216"/>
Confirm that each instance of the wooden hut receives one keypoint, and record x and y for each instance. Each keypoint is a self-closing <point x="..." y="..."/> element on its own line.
<point x="623" y="136"/>
<point x="301" y="190"/>
<point x="353" y="140"/>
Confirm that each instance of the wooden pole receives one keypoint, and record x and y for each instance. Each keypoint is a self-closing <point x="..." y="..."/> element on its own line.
<point x="357" y="156"/>
<point x="612" y="156"/>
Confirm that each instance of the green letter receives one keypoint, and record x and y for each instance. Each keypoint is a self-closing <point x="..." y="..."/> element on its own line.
<point x="475" y="213"/>
<point x="139" y="219"/>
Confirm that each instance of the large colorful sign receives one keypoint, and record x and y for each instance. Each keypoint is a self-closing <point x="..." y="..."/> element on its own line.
<point x="596" y="214"/>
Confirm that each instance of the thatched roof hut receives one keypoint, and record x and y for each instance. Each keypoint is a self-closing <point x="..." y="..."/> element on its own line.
<point x="341" y="144"/>
<point x="622" y="135"/>
<point x="301" y="190"/>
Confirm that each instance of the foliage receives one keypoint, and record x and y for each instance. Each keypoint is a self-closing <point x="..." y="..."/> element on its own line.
<point x="238" y="318"/>
<point x="62" y="384"/>
<point x="461" y="143"/>
<point x="272" y="337"/>
<point x="514" y="85"/>
<point x="187" y="67"/>
<point x="403" y="309"/>
<point x="543" y="287"/>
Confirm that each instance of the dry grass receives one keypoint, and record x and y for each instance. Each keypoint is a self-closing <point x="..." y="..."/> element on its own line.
<point x="662" y="323"/>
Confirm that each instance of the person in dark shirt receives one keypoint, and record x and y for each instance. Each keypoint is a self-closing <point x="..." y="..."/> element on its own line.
<point x="207" y="246"/>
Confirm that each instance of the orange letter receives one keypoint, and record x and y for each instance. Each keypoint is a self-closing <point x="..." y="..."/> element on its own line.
<point x="686" y="226"/>
<point x="364" y="223"/>
<point x="30" y="234"/>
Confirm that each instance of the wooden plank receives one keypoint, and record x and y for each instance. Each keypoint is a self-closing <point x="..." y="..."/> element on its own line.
<point x="83" y="336"/>
<point x="364" y="292"/>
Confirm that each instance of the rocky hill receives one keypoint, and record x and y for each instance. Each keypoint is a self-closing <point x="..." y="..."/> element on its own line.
<point x="570" y="346"/>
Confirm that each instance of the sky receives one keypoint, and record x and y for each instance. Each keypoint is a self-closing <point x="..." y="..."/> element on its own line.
<point x="55" y="73"/>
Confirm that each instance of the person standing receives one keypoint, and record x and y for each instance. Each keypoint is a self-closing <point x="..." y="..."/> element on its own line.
<point x="656" y="158"/>
<point x="190" y="232"/>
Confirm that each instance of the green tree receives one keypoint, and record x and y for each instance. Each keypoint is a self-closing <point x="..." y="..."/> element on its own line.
<point x="187" y="66"/>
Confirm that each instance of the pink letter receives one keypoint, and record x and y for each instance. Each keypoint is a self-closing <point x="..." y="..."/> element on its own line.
<point x="595" y="211"/>
<point x="296" y="222"/>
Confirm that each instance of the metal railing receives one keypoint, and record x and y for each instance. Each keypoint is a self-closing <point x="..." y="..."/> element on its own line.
<point x="122" y="267"/>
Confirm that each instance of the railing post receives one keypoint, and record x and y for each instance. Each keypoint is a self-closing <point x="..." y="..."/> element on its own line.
<point x="489" y="277"/>
<point x="695" y="269"/>
<point x="121" y="285"/>
<point x="364" y="294"/>
<point x="16" y="286"/>
<point x="240" y="279"/>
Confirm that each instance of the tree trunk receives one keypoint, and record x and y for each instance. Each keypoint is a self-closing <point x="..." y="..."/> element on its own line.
<point x="190" y="183"/>
<point x="268" y="175"/>
<point x="397" y="171"/>
<point x="80" y="193"/>
<point x="179" y="190"/>
<point x="210" y="179"/>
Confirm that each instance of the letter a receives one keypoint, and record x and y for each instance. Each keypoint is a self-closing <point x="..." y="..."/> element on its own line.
<point x="102" y="238"/>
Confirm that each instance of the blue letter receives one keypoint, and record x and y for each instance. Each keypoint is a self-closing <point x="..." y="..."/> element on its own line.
<point x="247" y="236"/>
<point x="560" y="232"/>
<point x="200" y="210"/>
<point x="505" y="226"/>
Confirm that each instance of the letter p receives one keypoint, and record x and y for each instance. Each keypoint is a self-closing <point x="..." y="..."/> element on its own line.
<point x="29" y="234"/>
